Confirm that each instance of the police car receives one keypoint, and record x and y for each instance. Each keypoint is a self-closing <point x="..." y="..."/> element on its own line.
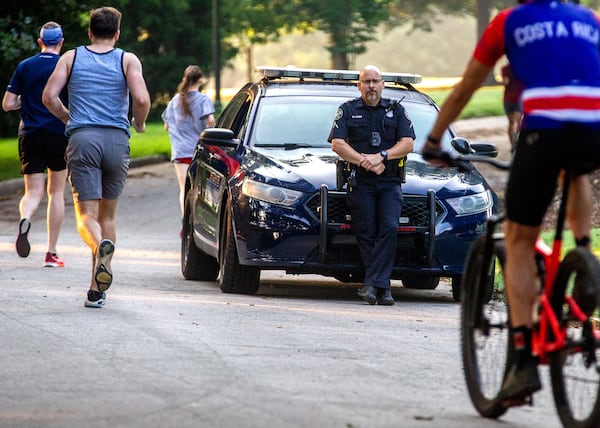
<point x="262" y="193"/>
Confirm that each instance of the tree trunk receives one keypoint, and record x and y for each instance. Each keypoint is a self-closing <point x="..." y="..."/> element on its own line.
<point x="339" y="61"/>
<point x="337" y="39"/>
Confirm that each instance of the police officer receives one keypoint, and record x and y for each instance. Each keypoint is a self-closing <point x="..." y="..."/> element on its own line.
<point x="374" y="135"/>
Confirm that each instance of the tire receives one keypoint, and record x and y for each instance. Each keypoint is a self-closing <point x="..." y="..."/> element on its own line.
<point x="489" y="289"/>
<point x="575" y="370"/>
<point x="421" y="282"/>
<point x="234" y="278"/>
<point x="484" y="329"/>
<point x="195" y="265"/>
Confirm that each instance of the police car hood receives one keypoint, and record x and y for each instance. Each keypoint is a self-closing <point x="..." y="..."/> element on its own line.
<point x="306" y="169"/>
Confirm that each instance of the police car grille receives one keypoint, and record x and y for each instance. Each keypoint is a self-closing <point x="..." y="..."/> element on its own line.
<point x="414" y="209"/>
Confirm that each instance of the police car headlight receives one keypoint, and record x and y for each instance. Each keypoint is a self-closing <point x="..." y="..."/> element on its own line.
<point x="269" y="193"/>
<point x="471" y="204"/>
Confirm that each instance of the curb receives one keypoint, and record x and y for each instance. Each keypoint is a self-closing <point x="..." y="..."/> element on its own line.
<point x="15" y="185"/>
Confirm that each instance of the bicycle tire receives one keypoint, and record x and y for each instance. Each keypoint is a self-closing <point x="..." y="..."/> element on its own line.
<point x="486" y="347"/>
<point x="575" y="370"/>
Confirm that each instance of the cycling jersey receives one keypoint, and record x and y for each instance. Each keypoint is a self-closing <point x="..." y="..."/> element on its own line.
<point x="564" y="35"/>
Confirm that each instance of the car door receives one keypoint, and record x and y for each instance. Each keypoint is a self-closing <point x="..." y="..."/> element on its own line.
<point x="215" y="166"/>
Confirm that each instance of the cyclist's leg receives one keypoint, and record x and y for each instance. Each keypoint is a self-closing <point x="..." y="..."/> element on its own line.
<point x="522" y="285"/>
<point x="531" y="187"/>
<point x="520" y="272"/>
<point x="579" y="208"/>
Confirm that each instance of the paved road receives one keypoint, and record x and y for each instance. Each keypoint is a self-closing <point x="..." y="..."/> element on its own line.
<point x="166" y="352"/>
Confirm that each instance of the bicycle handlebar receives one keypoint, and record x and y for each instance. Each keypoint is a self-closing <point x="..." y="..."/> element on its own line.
<point x="462" y="162"/>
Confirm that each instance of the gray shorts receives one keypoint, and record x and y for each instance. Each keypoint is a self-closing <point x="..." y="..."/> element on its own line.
<point x="98" y="161"/>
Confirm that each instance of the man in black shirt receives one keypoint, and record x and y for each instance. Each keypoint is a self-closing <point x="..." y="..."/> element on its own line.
<point x="374" y="135"/>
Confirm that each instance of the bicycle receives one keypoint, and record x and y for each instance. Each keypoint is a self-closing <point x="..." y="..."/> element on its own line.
<point x="566" y="333"/>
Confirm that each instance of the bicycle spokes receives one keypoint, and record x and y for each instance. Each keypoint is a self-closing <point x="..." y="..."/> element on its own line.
<point x="575" y="368"/>
<point x="484" y="327"/>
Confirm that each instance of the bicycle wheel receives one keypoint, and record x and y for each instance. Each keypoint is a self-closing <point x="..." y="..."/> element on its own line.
<point x="484" y="327"/>
<point x="575" y="370"/>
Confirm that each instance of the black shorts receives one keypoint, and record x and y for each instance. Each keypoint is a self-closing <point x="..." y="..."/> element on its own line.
<point x="41" y="150"/>
<point x="538" y="160"/>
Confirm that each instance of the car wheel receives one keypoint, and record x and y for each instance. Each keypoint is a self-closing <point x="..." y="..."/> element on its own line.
<point x="421" y="282"/>
<point x="235" y="278"/>
<point x="195" y="264"/>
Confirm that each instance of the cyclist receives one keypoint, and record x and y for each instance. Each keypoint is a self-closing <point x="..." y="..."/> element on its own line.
<point x="554" y="50"/>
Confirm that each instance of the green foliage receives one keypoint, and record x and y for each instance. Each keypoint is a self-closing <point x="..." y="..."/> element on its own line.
<point x="422" y="15"/>
<point x="9" y="158"/>
<point x="349" y="24"/>
<point x="166" y="35"/>
<point x="20" y="23"/>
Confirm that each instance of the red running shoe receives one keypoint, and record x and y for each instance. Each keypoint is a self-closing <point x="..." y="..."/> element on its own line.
<point x="52" y="260"/>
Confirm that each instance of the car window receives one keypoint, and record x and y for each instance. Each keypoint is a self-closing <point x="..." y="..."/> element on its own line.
<point x="234" y="115"/>
<point x="306" y="121"/>
<point x="294" y="120"/>
<point x="422" y="117"/>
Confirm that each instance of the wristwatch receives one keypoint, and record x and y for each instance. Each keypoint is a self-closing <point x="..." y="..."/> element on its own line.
<point x="384" y="155"/>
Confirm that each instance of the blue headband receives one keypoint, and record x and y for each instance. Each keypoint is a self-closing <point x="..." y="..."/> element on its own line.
<point x="51" y="36"/>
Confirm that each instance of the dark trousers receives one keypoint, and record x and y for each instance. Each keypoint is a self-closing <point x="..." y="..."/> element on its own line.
<point x="375" y="206"/>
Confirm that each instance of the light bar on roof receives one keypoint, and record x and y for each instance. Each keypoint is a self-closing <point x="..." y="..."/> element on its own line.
<point x="313" y="73"/>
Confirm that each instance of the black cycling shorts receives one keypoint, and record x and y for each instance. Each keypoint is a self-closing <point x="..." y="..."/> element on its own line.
<point x="41" y="150"/>
<point x="538" y="160"/>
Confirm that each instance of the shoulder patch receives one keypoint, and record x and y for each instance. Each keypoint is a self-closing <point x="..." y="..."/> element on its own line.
<point x="339" y="113"/>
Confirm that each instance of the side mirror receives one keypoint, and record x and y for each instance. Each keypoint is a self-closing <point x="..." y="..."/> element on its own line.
<point x="221" y="137"/>
<point x="485" y="149"/>
<point x="462" y="146"/>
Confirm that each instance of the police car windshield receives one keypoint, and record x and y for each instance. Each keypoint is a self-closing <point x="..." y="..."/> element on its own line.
<point x="294" y="122"/>
<point x="422" y="117"/>
<point x="305" y="121"/>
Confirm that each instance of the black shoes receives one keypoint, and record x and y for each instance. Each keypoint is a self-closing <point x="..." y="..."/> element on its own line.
<point x="22" y="243"/>
<point x="521" y="381"/>
<point x="384" y="297"/>
<point x="368" y="294"/>
<point x="372" y="295"/>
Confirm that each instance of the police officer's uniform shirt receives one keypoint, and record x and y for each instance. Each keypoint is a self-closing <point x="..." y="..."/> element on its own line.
<point x="361" y="125"/>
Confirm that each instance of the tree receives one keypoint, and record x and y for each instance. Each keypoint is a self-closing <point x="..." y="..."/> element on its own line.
<point x="167" y="35"/>
<point x="251" y="22"/>
<point x="348" y="23"/>
<point x="20" y="24"/>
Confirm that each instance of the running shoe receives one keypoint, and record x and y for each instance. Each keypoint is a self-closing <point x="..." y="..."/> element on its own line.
<point x="95" y="299"/>
<point x="520" y="383"/>
<point x="22" y="243"/>
<point x="104" y="254"/>
<point x="52" y="260"/>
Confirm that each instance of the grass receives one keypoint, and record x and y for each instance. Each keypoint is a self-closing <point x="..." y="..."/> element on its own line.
<point x="155" y="141"/>
<point x="569" y="241"/>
